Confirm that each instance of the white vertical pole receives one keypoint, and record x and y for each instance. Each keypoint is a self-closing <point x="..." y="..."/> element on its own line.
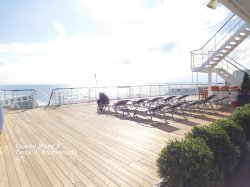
<point x="1" y="118"/>
<point x="209" y="82"/>
<point x="96" y="87"/>
<point x="34" y="103"/>
<point x="150" y="90"/>
<point x="117" y="94"/>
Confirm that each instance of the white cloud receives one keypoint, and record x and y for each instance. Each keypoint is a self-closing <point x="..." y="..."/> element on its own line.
<point x="60" y="29"/>
<point x="134" y="45"/>
<point x="2" y="61"/>
<point x="241" y="53"/>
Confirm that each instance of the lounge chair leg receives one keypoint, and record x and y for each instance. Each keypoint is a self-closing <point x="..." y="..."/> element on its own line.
<point x="115" y="109"/>
<point x="134" y="114"/>
<point x="151" y="118"/>
<point x="165" y="117"/>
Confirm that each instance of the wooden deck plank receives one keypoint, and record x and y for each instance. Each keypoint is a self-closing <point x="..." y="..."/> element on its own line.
<point x="12" y="143"/>
<point x="62" y="162"/>
<point x="111" y="150"/>
<point x="70" y="147"/>
<point x="98" y="182"/>
<point x="106" y="139"/>
<point x="11" y="170"/>
<point x="4" y="179"/>
<point x="105" y="160"/>
<point x="47" y="170"/>
<point x="58" y="173"/>
<point x="38" y="175"/>
<point x="34" y="181"/>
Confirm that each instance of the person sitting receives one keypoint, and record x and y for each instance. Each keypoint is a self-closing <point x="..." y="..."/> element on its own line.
<point x="102" y="101"/>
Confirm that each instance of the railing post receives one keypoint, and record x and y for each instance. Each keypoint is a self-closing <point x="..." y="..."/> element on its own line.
<point x="209" y="82"/>
<point x="71" y="97"/>
<point x="117" y="92"/>
<point x="89" y="94"/>
<point x="34" y="99"/>
<point x="169" y="89"/>
<point x="95" y="93"/>
<point x="59" y="99"/>
<point x="140" y="92"/>
<point x="4" y="95"/>
<point x="130" y="92"/>
<point x="54" y="95"/>
<point x="149" y="90"/>
<point x="13" y="96"/>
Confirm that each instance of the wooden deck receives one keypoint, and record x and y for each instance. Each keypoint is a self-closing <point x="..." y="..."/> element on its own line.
<point x="76" y="146"/>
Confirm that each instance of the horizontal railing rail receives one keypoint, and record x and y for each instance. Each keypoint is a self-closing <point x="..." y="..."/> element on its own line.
<point x="64" y="96"/>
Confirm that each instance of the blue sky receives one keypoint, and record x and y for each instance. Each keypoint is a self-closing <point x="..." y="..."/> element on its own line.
<point x="122" y="42"/>
<point x="32" y="20"/>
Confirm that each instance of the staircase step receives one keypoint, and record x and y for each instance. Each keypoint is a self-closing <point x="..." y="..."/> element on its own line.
<point x="237" y="38"/>
<point x="225" y="53"/>
<point x="227" y="76"/>
<point x="215" y="61"/>
<point x="247" y="30"/>
<point x="229" y="47"/>
<point x="232" y="42"/>
<point x="243" y="33"/>
<point x="220" y="55"/>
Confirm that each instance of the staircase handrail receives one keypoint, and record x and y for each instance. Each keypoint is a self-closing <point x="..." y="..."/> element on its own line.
<point x="238" y="64"/>
<point x="230" y="67"/>
<point x="214" y="34"/>
<point x="198" y="58"/>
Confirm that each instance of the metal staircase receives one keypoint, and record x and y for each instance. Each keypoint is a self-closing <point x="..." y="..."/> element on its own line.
<point x="227" y="76"/>
<point x="223" y="42"/>
<point x="231" y="71"/>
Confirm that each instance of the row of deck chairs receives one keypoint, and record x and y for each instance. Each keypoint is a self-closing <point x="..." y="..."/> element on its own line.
<point x="163" y="106"/>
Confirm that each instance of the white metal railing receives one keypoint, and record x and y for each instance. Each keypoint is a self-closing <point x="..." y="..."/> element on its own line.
<point x="64" y="96"/>
<point x="19" y="98"/>
<point x="61" y="96"/>
<point x="199" y="56"/>
<point x="233" y="67"/>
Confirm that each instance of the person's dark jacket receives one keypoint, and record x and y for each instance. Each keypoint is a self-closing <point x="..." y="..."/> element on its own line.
<point x="103" y="99"/>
